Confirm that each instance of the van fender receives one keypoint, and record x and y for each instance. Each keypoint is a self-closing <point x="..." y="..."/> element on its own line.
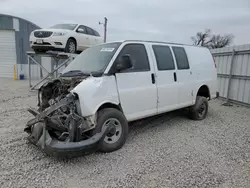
<point x="93" y="118"/>
<point x="198" y="88"/>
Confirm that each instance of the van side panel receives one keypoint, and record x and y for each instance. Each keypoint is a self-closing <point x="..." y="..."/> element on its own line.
<point x="203" y="69"/>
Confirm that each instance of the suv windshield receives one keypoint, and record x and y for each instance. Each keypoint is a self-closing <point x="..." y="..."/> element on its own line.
<point x="92" y="60"/>
<point x="64" y="26"/>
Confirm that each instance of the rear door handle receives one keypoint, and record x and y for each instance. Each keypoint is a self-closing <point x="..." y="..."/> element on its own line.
<point x="153" y="78"/>
<point x="175" y="77"/>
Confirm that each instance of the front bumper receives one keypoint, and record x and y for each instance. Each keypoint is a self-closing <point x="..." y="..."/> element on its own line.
<point x="39" y="135"/>
<point x="45" y="48"/>
<point x="49" y="43"/>
<point x="64" y="149"/>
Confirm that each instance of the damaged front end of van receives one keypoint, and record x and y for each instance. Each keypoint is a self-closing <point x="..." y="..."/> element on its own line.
<point x="58" y="127"/>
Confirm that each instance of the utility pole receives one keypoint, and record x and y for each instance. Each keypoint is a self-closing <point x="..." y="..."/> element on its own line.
<point x="105" y="28"/>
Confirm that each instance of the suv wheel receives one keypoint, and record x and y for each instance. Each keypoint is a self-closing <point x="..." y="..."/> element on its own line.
<point x="200" y="109"/>
<point x="118" y="129"/>
<point x="70" y="46"/>
<point x="39" y="51"/>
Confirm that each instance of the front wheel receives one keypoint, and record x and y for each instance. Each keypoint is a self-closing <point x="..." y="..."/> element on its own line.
<point x="200" y="109"/>
<point x="118" y="129"/>
<point x="70" y="46"/>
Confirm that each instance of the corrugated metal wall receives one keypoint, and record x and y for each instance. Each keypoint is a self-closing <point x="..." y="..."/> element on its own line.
<point x="22" y="28"/>
<point x="6" y="22"/>
<point x="23" y="39"/>
<point x="233" y="66"/>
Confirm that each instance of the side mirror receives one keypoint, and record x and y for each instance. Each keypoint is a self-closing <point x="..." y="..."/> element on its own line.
<point x="124" y="62"/>
<point x="80" y="30"/>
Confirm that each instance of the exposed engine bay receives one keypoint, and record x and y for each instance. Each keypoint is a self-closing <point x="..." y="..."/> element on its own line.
<point x="58" y="115"/>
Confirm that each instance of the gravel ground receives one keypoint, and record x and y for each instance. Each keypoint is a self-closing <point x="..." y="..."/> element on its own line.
<point x="165" y="151"/>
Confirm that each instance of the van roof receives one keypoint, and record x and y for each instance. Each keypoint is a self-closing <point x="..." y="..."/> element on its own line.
<point x="160" y="42"/>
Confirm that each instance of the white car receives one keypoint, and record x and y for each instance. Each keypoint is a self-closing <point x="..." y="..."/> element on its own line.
<point x="69" y="38"/>
<point x="109" y="85"/>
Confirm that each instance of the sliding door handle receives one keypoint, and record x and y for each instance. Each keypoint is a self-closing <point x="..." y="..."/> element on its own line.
<point x="153" y="78"/>
<point x="175" y="77"/>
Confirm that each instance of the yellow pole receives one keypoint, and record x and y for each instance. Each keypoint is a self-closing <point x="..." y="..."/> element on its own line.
<point x="15" y="76"/>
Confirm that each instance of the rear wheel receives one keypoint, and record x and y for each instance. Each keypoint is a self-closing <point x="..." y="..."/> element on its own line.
<point x="118" y="129"/>
<point x="70" y="46"/>
<point x="200" y="109"/>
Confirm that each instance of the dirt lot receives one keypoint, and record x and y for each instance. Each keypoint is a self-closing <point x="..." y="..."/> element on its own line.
<point x="165" y="151"/>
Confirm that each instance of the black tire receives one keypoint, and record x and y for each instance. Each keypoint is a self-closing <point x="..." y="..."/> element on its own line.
<point x="102" y="117"/>
<point x="200" y="109"/>
<point x="37" y="51"/>
<point x="68" y="47"/>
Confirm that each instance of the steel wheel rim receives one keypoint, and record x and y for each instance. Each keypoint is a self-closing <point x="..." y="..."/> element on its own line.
<point x="115" y="131"/>
<point x="202" y="110"/>
<point x="72" y="47"/>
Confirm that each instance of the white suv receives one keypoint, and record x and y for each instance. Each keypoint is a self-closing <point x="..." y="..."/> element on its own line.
<point x="111" y="84"/>
<point x="69" y="38"/>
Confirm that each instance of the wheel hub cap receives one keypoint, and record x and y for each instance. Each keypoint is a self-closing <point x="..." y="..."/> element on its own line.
<point x="72" y="47"/>
<point x="111" y="132"/>
<point x="115" y="130"/>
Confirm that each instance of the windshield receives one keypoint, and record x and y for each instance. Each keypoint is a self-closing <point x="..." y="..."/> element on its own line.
<point x="64" y="26"/>
<point x="93" y="60"/>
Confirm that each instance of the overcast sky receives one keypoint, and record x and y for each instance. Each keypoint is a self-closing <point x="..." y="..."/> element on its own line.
<point x="165" y="20"/>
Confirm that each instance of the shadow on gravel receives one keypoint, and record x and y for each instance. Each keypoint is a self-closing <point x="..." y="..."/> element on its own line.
<point x="144" y="125"/>
<point x="135" y="128"/>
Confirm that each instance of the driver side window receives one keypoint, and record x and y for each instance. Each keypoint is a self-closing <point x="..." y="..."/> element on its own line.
<point x="81" y="29"/>
<point x="138" y="55"/>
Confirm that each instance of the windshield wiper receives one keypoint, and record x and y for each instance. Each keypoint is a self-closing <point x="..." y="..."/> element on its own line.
<point x="96" y="73"/>
<point x="80" y="73"/>
<point x="74" y="73"/>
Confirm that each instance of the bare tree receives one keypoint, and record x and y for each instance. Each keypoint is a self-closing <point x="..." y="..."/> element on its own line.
<point x="212" y="41"/>
<point x="218" y="41"/>
<point x="201" y="38"/>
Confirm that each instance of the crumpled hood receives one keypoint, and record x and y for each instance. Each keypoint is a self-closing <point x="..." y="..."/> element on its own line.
<point x="56" y="89"/>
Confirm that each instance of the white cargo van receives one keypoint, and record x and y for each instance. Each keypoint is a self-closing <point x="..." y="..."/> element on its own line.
<point x="108" y="85"/>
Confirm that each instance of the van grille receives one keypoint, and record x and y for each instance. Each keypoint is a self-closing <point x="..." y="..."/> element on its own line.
<point x="42" y="34"/>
